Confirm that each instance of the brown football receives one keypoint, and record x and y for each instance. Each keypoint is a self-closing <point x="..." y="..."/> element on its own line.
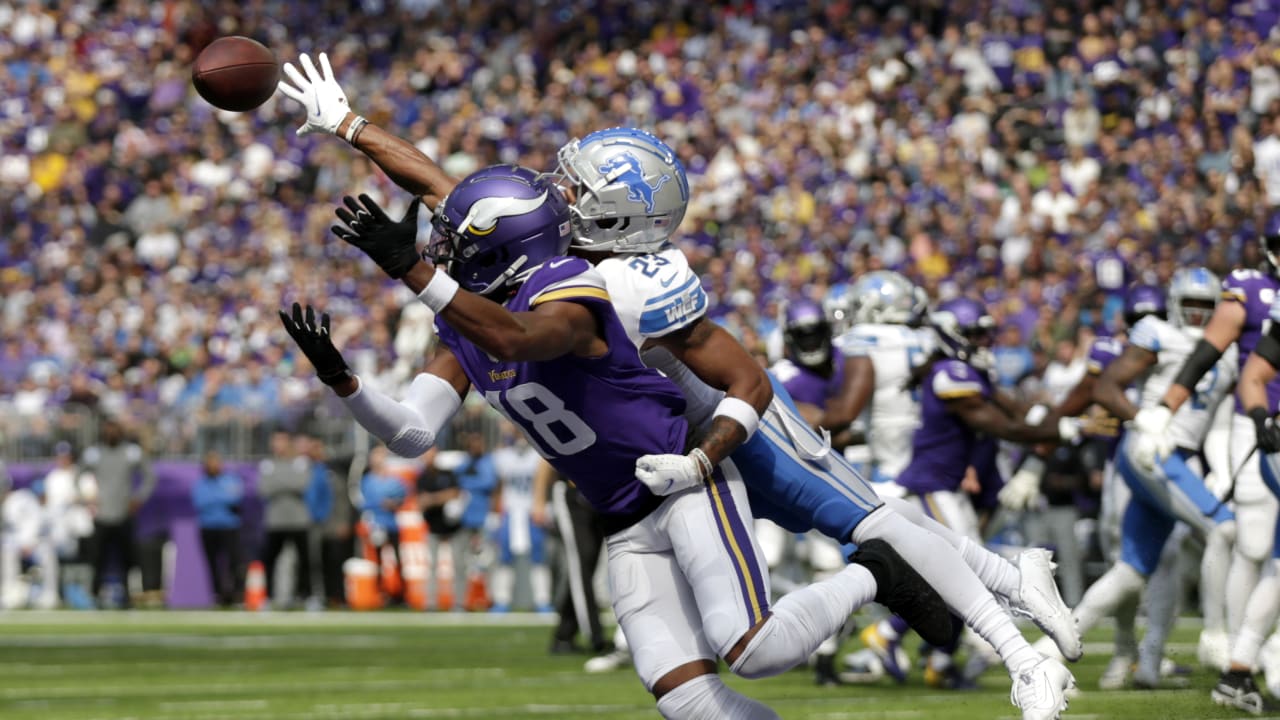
<point x="235" y="73"/>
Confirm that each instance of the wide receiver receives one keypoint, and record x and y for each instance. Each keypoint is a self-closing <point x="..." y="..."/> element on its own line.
<point x="664" y="313"/>
<point x="534" y="331"/>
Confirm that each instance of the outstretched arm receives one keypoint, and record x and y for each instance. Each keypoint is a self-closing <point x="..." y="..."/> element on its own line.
<point x="1120" y="374"/>
<point x="328" y="112"/>
<point x="985" y="416"/>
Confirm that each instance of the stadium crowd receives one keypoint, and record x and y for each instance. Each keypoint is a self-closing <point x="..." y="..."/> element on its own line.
<point x="1038" y="155"/>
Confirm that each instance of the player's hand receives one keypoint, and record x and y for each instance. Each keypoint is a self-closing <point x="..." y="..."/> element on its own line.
<point x="1268" y="433"/>
<point x="667" y="474"/>
<point x="314" y="341"/>
<point x="1150" y="440"/>
<point x="1022" y="492"/>
<point x="1069" y="429"/>
<point x="393" y="245"/>
<point x="319" y="93"/>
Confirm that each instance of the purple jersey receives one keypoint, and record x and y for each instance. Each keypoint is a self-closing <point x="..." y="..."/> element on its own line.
<point x="1255" y="291"/>
<point x="1101" y="353"/>
<point x="943" y="445"/>
<point x="807" y="386"/>
<point x="591" y="418"/>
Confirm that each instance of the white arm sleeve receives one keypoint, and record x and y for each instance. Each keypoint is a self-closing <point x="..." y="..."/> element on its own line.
<point x="408" y="427"/>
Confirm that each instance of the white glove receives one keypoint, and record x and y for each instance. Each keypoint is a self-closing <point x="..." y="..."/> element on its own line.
<point x="1022" y="491"/>
<point x="667" y="474"/>
<point x="321" y="95"/>
<point x="1068" y="429"/>
<point x="1150" y="443"/>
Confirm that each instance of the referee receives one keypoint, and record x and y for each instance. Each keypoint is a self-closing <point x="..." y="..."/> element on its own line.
<point x="582" y="538"/>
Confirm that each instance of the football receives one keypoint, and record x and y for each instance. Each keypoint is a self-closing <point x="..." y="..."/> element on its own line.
<point x="235" y="73"/>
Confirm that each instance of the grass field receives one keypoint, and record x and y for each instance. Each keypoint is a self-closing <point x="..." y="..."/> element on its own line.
<point x="281" y="666"/>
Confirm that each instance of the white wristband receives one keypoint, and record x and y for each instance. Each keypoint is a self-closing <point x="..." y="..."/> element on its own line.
<point x="356" y="123"/>
<point x="439" y="292"/>
<point x="741" y="411"/>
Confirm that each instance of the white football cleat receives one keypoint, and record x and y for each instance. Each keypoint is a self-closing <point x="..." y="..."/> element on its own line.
<point x="1269" y="659"/>
<point x="1040" y="691"/>
<point x="608" y="662"/>
<point x="1039" y="599"/>
<point x="1117" y="674"/>
<point x="1214" y="649"/>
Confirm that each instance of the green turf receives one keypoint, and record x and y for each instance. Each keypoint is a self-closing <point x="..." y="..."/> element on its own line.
<point x="210" y="666"/>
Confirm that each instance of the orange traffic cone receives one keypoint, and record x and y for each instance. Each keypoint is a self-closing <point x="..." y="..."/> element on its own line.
<point x="477" y="599"/>
<point x="255" y="587"/>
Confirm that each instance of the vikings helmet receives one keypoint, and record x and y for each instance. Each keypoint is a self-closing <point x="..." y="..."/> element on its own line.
<point x="497" y="226"/>
<point x="1271" y="242"/>
<point x="965" y="331"/>
<point x="884" y="296"/>
<point x="807" y="334"/>
<point x="1193" y="295"/>
<point x="1142" y="300"/>
<point x="630" y="190"/>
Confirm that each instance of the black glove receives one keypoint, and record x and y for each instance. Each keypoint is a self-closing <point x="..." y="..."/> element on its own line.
<point x="1268" y="433"/>
<point x="393" y="245"/>
<point x="316" y="344"/>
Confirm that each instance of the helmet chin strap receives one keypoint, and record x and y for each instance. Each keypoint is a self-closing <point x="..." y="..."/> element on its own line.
<point x="506" y="275"/>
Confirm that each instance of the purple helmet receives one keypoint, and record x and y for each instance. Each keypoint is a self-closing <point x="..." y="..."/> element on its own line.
<point x="807" y="334"/>
<point x="497" y="225"/>
<point x="965" y="331"/>
<point x="1142" y="300"/>
<point x="1271" y="242"/>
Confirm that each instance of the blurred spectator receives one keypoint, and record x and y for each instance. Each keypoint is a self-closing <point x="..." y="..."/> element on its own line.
<point x="282" y="482"/>
<point x="218" y="497"/>
<point x="329" y="504"/>
<point x="438" y="492"/>
<point x="67" y="493"/>
<point x="519" y="537"/>
<point x="116" y="464"/>
<point x="381" y="495"/>
<point x="582" y="539"/>
<point x="27" y="540"/>
<point x="477" y="480"/>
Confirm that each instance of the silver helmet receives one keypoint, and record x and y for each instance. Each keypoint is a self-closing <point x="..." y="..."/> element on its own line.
<point x="885" y="296"/>
<point x="630" y="191"/>
<point x="1193" y="295"/>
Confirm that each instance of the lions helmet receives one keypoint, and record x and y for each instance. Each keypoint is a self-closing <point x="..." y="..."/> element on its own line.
<point x="630" y="190"/>
<point x="807" y="334"/>
<point x="965" y="331"/>
<point x="1142" y="300"/>
<point x="884" y="296"/>
<point x="1193" y="295"/>
<point x="497" y="226"/>
<point x="837" y="307"/>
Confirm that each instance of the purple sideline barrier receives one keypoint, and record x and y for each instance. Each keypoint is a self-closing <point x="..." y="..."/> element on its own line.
<point x="168" y="512"/>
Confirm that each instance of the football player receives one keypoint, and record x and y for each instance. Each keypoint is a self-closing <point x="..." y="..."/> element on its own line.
<point x="1236" y="686"/>
<point x="662" y="306"/>
<point x="1174" y="490"/>
<point x="809" y="369"/>
<point x="1240" y="319"/>
<point x="534" y="331"/>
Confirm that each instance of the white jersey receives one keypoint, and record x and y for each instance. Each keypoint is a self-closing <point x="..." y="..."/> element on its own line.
<point x="1172" y="345"/>
<point x="655" y="295"/>
<point x="894" y="411"/>
<point x="515" y="466"/>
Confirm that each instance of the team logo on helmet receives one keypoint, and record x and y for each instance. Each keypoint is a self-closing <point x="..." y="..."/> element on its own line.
<point x="486" y="212"/>
<point x="624" y="168"/>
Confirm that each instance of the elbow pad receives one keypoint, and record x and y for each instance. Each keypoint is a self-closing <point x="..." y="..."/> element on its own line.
<point x="1268" y="349"/>
<point x="408" y="427"/>
<point x="1197" y="364"/>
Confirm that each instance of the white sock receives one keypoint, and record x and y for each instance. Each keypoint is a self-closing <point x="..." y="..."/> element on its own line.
<point x="1164" y="589"/>
<point x="1214" y="567"/>
<point x="998" y="574"/>
<point x="888" y="631"/>
<point x="706" y="697"/>
<point x="942" y="566"/>
<point x="1104" y="596"/>
<point x="801" y="620"/>
<point x="503" y="581"/>
<point x="540" y="584"/>
<point x="1259" y="617"/>
<point x="1126" y="639"/>
<point x="1242" y="578"/>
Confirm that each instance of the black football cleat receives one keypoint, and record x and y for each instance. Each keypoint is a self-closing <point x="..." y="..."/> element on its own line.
<point x="901" y="589"/>
<point x="1236" y="689"/>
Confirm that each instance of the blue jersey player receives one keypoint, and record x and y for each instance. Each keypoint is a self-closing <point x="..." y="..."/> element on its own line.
<point x="534" y="332"/>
